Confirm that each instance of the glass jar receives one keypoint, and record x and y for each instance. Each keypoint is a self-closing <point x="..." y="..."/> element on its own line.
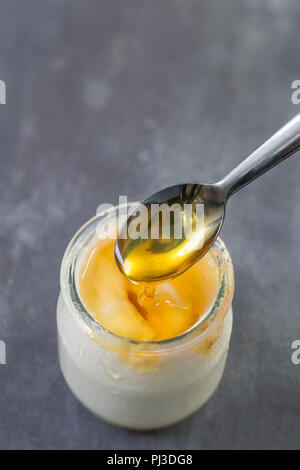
<point x="139" y="384"/>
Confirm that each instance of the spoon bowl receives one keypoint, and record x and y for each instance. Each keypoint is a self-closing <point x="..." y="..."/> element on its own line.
<point x="150" y="259"/>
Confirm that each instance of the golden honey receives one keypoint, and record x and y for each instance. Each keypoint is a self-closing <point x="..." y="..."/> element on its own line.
<point x="145" y="311"/>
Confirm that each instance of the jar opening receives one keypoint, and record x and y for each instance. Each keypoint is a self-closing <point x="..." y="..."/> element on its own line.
<point x="72" y="259"/>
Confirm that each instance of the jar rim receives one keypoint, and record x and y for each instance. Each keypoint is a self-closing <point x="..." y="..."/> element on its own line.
<point x="101" y="334"/>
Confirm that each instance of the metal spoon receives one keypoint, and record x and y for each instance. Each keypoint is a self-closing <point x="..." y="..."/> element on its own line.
<point x="154" y="259"/>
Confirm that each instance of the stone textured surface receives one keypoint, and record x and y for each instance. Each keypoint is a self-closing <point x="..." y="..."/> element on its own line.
<point x="124" y="97"/>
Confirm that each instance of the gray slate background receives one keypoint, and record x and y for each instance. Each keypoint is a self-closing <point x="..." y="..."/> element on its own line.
<point x="124" y="97"/>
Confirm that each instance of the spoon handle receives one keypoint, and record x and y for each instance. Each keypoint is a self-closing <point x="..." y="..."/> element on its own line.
<point x="281" y="145"/>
